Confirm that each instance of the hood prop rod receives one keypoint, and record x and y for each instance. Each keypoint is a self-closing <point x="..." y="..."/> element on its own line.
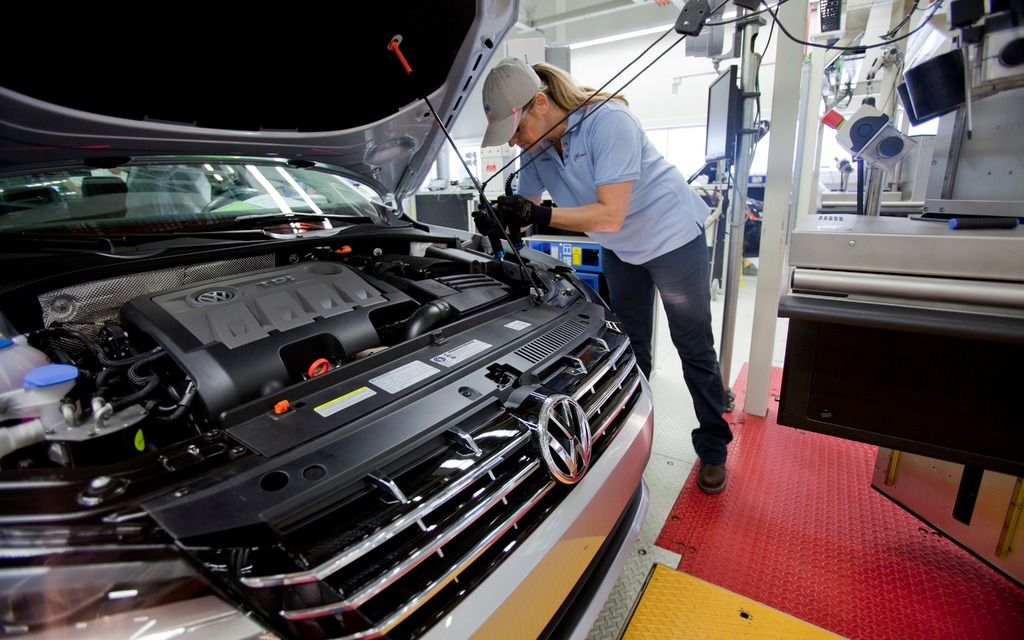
<point x="495" y="239"/>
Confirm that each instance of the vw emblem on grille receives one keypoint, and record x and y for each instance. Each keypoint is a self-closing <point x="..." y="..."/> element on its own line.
<point x="214" y="296"/>
<point x="564" y="438"/>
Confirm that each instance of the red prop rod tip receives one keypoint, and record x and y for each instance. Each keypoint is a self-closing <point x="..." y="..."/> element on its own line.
<point x="393" y="45"/>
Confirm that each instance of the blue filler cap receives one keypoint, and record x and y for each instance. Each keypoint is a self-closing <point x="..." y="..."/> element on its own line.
<point x="49" y="375"/>
<point x="5" y="342"/>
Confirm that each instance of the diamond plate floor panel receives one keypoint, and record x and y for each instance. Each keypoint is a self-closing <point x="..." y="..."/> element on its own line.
<point x="800" y="529"/>
<point x="627" y="591"/>
<point x="671" y="461"/>
<point x="677" y="606"/>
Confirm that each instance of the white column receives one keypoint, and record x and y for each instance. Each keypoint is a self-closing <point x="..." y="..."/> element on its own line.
<point x="810" y="122"/>
<point x="777" y="202"/>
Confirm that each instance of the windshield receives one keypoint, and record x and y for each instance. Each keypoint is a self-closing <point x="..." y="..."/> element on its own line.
<point x="161" y="197"/>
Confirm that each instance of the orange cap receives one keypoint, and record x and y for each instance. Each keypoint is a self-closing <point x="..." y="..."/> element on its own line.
<point x="319" y="366"/>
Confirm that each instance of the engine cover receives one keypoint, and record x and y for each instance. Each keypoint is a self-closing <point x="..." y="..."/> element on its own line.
<point x="244" y="337"/>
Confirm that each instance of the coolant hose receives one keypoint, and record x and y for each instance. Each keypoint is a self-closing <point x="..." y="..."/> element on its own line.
<point x="95" y="349"/>
<point x="121" y="403"/>
<point x="430" y="315"/>
<point x="134" y="372"/>
<point x="182" y="406"/>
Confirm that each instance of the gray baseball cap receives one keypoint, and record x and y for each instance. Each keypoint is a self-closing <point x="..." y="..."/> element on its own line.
<point x="509" y="86"/>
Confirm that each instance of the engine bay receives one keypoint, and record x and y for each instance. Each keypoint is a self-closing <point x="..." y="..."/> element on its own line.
<point x="127" y="365"/>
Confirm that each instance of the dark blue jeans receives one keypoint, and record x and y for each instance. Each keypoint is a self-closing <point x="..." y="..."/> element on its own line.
<point x="683" y="279"/>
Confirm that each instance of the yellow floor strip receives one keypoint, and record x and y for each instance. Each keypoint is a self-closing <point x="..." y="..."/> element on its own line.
<point x="677" y="605"/>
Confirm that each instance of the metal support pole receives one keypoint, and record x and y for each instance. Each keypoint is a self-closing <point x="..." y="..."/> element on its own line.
<point x="719" y="232"/>
<point x="738" y="214"/>
<point x="798" y="161"/>
<point x="873" y="191"/>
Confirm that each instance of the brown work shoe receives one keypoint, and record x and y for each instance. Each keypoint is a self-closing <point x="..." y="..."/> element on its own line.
<point x="711" y="478"/>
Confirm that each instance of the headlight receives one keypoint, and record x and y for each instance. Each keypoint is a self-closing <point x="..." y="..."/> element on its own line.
<point x="68" y="590"/>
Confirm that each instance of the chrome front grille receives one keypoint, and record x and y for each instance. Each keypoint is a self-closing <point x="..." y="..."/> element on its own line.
<point x="401" y="545"/>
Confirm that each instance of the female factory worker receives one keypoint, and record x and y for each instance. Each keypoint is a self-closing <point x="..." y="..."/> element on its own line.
<point x="609" y="182"/>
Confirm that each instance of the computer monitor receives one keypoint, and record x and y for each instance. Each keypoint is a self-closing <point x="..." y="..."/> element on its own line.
<point x="934" y="87"/>
<point x="723" y="115"/>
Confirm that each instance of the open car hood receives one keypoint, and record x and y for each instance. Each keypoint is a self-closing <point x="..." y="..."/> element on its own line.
<point x="334" y="95"/>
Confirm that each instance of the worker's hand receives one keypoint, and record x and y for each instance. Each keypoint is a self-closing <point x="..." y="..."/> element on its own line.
<point x="486" y="224"/>
<point x="517" y="212"/>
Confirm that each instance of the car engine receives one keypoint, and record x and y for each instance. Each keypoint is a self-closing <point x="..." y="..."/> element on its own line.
<point x="130" y="364"/>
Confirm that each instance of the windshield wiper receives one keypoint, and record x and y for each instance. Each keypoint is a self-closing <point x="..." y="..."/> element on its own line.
<point x="292" y="215"/>
<point x="241" y="228"/>
<point x="266" y="221"/>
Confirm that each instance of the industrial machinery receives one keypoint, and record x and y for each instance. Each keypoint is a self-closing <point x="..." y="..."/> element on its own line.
<point x="908" y="332"/>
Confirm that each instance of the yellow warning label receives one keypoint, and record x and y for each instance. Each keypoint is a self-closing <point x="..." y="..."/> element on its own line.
<point x="577" y="256"/>
<point x="347" y="400"/>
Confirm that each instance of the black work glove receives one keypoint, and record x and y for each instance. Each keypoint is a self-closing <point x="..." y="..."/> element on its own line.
<point x="486" y="224"/>
<point x="517" y="211"/>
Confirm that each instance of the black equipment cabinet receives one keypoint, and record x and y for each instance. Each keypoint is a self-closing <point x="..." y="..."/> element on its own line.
<point x="938" y="383"/>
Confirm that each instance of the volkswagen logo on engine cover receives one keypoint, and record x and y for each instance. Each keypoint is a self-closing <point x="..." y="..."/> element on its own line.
<point x="564" y="438"/>
<point x="214" y="296"/>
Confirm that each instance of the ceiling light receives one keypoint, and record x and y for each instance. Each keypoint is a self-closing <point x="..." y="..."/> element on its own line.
<point x="621" y="36"/>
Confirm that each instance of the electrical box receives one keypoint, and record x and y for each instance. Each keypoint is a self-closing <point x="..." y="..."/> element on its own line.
<point x="580" y="255"/>
<point x="492" y="160"/>
<point x="449" y="208"/>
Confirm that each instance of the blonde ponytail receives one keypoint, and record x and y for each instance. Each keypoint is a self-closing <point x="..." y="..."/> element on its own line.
<point x="565" y="91"/>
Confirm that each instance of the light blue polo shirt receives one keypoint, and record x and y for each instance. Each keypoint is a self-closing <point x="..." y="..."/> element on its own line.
<point x="610" y="146"/>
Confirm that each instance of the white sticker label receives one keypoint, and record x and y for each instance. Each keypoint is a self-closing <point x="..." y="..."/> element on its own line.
<point x="345" y="401"/>
<point x="404" y="376"/>
<point x="458" y="354"/>
<point x="517" y="325"/>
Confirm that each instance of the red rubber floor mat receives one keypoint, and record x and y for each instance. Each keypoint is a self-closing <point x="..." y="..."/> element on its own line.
<point x="800" y="529"/>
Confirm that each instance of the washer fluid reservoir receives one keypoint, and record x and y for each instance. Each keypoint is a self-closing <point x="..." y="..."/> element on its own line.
<point x="17" y="358"/>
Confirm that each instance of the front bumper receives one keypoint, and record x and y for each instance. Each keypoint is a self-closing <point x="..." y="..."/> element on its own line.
<point x="525" y="592"/>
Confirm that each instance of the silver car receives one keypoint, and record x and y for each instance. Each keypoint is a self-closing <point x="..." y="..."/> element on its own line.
<point x="244" y="394"/>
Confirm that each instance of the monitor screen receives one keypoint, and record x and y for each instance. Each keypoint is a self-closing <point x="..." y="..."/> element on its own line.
<point x="723" y="107"/>
<point x="934" y="87"/>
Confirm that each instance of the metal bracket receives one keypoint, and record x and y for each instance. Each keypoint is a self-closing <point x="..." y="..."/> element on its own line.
<point x="692" y="18"/>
